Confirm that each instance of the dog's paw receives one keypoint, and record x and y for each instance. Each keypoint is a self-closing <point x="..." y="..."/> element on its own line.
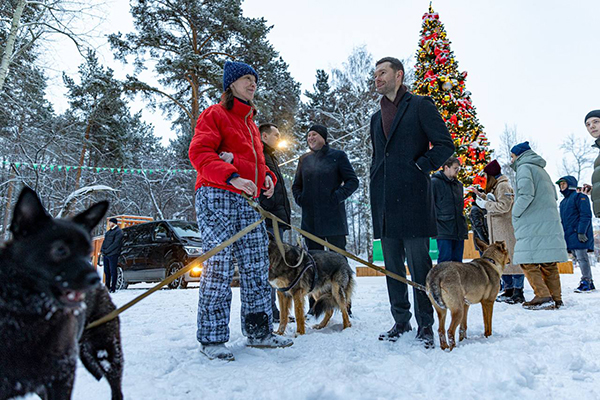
<point x="318" y="326"/>
<point x="279" y="332"/>
<point x="347" y="325"/>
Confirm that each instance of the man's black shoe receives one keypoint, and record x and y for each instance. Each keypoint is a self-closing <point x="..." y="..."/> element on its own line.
<point x="397" y="330"/>
<point x="425" y="335"/>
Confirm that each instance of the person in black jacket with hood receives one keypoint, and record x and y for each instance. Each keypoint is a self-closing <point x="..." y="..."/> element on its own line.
<point x="324" y="180"/>
<point x="449" y="204"/>
<point x="111" y="250"/>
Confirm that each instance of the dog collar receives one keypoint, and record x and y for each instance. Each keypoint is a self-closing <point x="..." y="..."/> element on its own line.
<point x="490" y="260"/>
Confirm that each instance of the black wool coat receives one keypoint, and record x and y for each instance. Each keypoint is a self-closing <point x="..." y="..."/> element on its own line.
<point x="278" y="204"/>
<point x="324" y="180"/>
<point x="401" y="196"/>
<point x="113" y="240"/>
<point x="449" y="206"/>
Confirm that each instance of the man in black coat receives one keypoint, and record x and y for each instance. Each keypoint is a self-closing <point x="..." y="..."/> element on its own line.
<point x="401" y="197"/>
<point x="449" y="205"/>
<point x="324" y="180"/>
<point x="111" y="249"/>
<point x="278" y="204"/>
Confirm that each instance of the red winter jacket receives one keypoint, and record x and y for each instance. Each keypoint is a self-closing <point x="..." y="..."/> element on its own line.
<point x="233" y="131"/>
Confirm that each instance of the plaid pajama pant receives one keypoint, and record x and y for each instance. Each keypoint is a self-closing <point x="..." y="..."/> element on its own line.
<point x="221" y="214"/>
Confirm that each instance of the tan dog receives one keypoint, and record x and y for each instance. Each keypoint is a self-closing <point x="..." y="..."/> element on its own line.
<point x="455" y="286"/>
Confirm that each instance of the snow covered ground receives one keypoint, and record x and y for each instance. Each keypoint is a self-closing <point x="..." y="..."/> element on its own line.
<point x="531" y="355"/>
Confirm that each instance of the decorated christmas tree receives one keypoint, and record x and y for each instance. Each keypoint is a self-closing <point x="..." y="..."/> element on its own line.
<point x="437" y="76"/>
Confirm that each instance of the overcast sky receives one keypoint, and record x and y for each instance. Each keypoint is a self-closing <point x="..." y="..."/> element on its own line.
<point x="531" y="64"/>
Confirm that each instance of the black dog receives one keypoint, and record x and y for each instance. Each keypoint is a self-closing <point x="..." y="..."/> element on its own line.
<point x="45" y="275"/>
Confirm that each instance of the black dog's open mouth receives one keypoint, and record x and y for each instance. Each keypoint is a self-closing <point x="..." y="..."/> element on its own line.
<point x="71" y="298"/>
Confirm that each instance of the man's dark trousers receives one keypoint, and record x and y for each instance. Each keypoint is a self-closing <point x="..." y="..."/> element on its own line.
<point x="416" y="251"/>
<point x="337" y="241"/>
<point x="450" y="250"/>
<point x="110" y="271"/>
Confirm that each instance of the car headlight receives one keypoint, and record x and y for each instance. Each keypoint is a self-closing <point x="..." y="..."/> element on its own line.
<point x="193" y="250"/>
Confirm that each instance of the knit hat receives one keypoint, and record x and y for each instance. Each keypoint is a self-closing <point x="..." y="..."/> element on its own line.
<point x="113" y="220"/>
<point x="592" y="114"/>
<point x="234" y="70"/>
<point x="520" y="148"/>
<point x="493" y="168"/>
<point x="320" y="129"/>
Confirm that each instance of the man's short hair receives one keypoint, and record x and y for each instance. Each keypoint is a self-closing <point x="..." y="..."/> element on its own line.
<point x="451" y="161"/>
<point x="396" y="64"/>
<point x="266" y="127"/>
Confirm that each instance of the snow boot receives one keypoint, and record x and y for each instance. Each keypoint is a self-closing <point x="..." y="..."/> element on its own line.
<point x="539" y="303"/>
<point x="516" y="298"/>
<point x="504" y="296"/>
<point x="216" y="351"/>
<point x="585" y="286"/>
<point x="397" y="330"/>
<point x="425" y="335"/>
<point x="259" y="334"/>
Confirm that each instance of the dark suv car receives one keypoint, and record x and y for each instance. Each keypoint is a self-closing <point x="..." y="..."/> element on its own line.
<point x="155" y="250"/>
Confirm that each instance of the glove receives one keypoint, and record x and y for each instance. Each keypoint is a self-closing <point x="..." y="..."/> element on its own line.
<point x="582" y="237"/>
<point x="481" y="203"/>
<point x="490" y="197"/>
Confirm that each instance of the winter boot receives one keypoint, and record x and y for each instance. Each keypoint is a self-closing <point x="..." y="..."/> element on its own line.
<point x="504" y="296"/>
<point x="425" y="335"/>
<point x="585" y="286"/>
<point x="558" y="304"/>
<point x="516" y="298"/>
<point x="592" y="285"/>
<point x="539" y="303"/>
<point x="397" y="330"/>
<point x="259" y="334"/>
<point x="216" y="351"/>
<point x="551" y="278"/>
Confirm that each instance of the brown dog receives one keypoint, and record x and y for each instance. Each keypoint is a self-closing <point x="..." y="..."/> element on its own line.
<point x="329" y="280"/>
<point x="455" y="286"/>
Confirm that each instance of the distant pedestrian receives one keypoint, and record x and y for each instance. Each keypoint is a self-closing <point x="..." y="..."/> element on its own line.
<point x="111" y="250"/>
<point x="592" y="123"/>
<point x="540" y="241"/>
<point x="477" y="216"/>
<point x="576" y="219"/>
<point x="449" y="203"/>
<point x="498" y="200"/>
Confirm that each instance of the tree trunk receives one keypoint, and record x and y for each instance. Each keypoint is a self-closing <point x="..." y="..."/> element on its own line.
<point x="8" y="203"/>
<point x="82" y="156"/>
<point x="10" y="42"/>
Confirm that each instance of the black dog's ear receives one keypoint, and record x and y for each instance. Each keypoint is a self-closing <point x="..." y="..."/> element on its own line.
<point x="29" y="214"/>
<point x="90" y="217"/>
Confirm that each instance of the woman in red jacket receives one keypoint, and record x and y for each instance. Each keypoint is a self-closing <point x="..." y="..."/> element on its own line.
<point x="228" y="127"/>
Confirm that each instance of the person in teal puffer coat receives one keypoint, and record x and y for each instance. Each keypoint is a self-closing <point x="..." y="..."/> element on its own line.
<point x="540" y="239"/>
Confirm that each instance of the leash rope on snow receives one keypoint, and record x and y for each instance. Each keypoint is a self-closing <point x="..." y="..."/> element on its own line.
<point x="169" y="279"/>
<point x="276" y="220"/>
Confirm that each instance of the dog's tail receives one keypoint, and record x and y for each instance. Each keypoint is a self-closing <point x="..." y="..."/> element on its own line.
<point x="434" y="289"/>
<point x="325" y="303"/>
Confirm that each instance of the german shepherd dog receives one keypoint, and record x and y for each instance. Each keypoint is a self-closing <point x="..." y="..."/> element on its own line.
<point x="46" y="283"/>
<point x="455" y="286"/>
<point x="329" y="280"/>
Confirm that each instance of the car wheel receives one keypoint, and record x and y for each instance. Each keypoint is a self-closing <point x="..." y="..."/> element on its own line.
<point x="173" y="268"/>
<point x="121" y="283"/>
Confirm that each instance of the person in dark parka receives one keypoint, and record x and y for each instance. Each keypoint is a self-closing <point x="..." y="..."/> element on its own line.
<point x="111" y="250"/>
<point x="449" y="205"/>
<point x="401" y="197"/>
<point x="324" y="180"/>
<point x="576" y="219"/>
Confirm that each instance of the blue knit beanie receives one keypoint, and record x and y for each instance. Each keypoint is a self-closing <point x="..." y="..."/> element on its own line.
<point x="234" y="70"/>
<point x="520" y="148"/>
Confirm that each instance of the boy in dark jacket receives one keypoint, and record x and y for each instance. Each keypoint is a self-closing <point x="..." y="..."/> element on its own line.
<point x="576" y="219"/>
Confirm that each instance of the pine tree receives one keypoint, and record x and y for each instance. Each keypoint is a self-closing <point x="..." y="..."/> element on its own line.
<point x="437" y="76"/>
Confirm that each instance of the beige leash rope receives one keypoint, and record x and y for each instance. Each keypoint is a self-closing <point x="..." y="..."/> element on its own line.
<point x="169" y="279"/>
<point x="276" y="220"/>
